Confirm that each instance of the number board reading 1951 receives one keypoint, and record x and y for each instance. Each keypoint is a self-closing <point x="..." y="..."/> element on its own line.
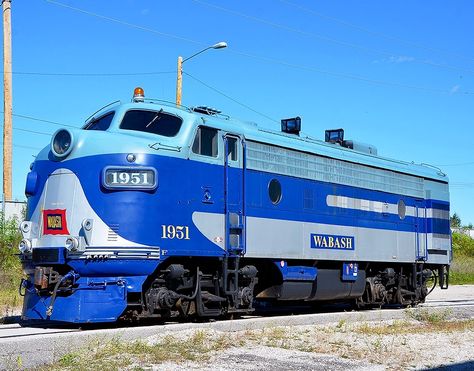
<point x="130" y="178"/>
<point x="171" y="232"/>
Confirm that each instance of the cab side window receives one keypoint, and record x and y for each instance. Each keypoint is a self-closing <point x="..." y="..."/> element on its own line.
<point x="232" y="149"/>
<point x="101" y="123"/>
<point x="205" y="142"/>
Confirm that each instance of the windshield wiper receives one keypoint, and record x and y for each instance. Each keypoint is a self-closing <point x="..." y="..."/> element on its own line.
<point x="156" y="117"/>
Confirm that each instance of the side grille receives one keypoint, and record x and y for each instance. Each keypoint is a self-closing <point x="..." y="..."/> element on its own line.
<point x="437" y="252"/>
<point x="112" y="233"/>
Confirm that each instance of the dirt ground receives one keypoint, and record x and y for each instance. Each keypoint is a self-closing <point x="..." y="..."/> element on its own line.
<point x="381" y="345"/>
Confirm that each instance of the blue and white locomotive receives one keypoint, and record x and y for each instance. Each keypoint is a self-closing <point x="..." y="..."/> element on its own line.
<point x="152" y="210"/>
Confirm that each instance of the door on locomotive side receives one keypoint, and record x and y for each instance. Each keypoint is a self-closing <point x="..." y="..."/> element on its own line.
<point x="234" y="196"/>
<point x="421" y="233"/>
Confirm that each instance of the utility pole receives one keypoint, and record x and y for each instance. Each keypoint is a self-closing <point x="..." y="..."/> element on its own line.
<point x="7" y="101"/>
<point x="179" y="81"/>
<point x="179" y="74"/>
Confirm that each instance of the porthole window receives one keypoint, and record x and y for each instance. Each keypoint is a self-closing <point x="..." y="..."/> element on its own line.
<point x="274" y="191"/>
<point x="402" y="209"/>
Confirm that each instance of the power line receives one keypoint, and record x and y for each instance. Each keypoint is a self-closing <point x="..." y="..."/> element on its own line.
<point x="266" y="59"/>
<point x="352" y="77"/>
<point x="24" y="147"/>
<point x="374" y="33"/>
<point x="85" y="74"/>
<point x="230" y="98"/>
<point x="461" y="184"/>
<point x="45" y="121"/>
<point x="126" y="23"/>
<point x="465" y="186"/>
<point x="458" y="164"/>
<point x="27" y="147"/>
<point x="327" y="39"/>
<point x="30" y="131"/>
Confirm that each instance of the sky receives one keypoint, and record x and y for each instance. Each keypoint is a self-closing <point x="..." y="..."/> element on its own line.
<point x="398" y="75"/>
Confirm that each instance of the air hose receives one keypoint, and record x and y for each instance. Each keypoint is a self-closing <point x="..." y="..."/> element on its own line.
<point x="69" y="275"/>
<point x="196" y="290"/>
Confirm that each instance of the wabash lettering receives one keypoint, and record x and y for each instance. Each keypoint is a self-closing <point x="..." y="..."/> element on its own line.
<point x="54" y="222"/>
<point x="325" y="241"/>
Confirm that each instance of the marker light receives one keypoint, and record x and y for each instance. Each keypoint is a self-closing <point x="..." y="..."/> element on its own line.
<point x="25" y="246"/>
<point x="138" y="95"/>
<point x="61" y="143"/>
<point x="72" y="243"/>
<point x="25" y="227"/>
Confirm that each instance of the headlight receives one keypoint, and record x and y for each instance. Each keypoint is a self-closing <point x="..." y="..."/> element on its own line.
<point x="25" y="246"/>
<point x="31" y="183"/>
<point x="61" y="143"/>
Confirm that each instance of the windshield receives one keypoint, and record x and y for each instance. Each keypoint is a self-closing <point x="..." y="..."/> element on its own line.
<point x="155" y="122"/>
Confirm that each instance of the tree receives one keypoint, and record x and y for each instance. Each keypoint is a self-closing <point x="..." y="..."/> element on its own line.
<point x="455" y="221"/>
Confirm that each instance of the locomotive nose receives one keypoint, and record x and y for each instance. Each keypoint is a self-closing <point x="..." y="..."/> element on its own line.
<point x="60" y="216"/>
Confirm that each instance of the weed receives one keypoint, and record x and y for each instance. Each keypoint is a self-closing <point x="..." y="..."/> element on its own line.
<point x="394" y="328"/>
<point x="10" y="267"/>
<point x="462" y="268"/>
<point x="341" y="324"/>
<point x="222" y="342"/>
<point x="377" y="344"/>
<point x="278" y="337"/>
<point x="463" y="244"/>
<point x="116" y="353"/>
<point x="68" y="360"/>
<point x="276" y="333"/>
<point x="427" y="316"/>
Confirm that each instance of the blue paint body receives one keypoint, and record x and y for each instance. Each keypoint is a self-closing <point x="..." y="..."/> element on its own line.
<point x="297" y="273"/>
<point x="101" y="302"/>
<point x="184" y="195"/>
<point x="350" y="271"/>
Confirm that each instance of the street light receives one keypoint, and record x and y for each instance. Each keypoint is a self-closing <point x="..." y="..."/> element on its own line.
<point x="179" y="79"/>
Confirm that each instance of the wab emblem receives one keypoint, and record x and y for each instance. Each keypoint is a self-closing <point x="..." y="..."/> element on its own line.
<point x="54" y="222"/>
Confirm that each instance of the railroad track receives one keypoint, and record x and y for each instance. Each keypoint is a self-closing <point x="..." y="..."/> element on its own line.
<point x="15" y="331"/>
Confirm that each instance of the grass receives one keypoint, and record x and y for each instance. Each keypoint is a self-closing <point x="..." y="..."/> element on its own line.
<point x="462" y="268"/>
<point x="407" y="327"/>
<point x="10" y="267"/>
<point x="116" y="354"/>
<point x="428" y="316"/>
